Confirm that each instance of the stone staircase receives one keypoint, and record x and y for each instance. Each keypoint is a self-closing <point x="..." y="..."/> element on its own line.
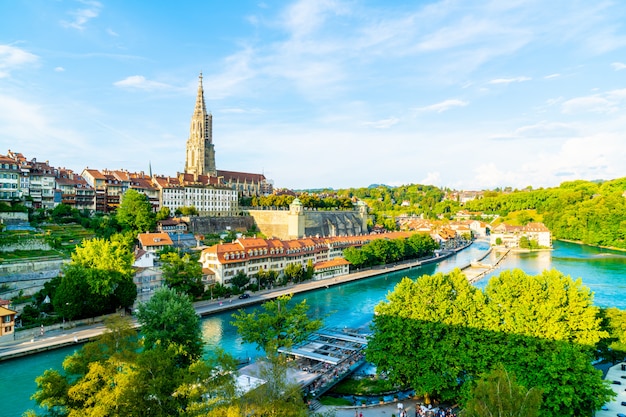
<point x="314" y="405"/>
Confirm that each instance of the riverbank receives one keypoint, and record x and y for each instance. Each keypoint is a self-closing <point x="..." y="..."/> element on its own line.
<point x="580" y="242"/>
<point x="54" y="339"/>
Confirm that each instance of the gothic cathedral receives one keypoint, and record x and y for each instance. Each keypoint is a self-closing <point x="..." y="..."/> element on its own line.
<point x="200" y="150"/>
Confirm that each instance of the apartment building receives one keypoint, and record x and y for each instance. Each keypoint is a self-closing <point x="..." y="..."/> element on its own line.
<point x="250" y="255"/>
<point x="10" y="175"/>
<point x="205" y="193"/>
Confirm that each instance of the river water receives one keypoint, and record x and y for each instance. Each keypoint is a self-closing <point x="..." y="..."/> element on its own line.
<point x="352" y="304"/>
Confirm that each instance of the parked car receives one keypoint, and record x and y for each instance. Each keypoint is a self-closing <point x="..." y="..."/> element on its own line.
<point x="617" y="382"/>
<point x="621" y="415"/>
<point x="624" y="403"/>
<point x="242" y="296"/>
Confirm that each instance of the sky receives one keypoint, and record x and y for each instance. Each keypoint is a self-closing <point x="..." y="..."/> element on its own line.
<point x="323" y="93"/>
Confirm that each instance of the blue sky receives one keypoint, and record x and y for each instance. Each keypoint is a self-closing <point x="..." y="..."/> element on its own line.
<point x="322" y="93"/>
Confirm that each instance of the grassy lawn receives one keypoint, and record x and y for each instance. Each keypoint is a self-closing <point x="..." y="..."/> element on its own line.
<point x="334" y="401"/>
<point x="28" y="254"/>
<point x="364" y="386"/>
<point x="62" y="237"/>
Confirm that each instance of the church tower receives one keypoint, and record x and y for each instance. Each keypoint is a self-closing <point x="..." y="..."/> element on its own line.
<point x="200" y="150"/>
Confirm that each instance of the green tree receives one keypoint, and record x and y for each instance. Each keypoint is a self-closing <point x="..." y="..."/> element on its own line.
<point x="278" y="396"/>
<point x="114" y="376"/>
<point x="265" y="278"/>
<point x="135" y="212"/>
<point x="240" y="280"/>
<point x="183" y="274"/>
<point x="108" y="255"/>
<point x="438" y="333"/>
<point x="163" y="213"/>
<point x="169" y="318"/>
<point x="549" y="305"/>
<point x="186" y="211"/>
<point x="278" y="325"/>
<point x="613" y="347"/>
<point x="293" y="272"/>
<point x="498" y="394"/>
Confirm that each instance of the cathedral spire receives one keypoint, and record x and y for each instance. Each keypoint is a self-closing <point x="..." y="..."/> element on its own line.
<point x="200" y="150"/>
<point x="200" y="106"/>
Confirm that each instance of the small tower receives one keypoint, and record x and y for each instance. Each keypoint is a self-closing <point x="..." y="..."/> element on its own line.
<point x="200" y="150"/>
<point x="295" y="220"/>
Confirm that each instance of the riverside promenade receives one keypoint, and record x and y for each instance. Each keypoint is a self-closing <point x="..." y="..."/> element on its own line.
<point x="58" y="338"/>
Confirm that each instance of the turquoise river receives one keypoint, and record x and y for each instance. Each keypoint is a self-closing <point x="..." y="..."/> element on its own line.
<point x="352" y="305"/>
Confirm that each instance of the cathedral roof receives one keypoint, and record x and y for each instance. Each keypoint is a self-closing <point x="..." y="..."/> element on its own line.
<point x="234" y="176"/>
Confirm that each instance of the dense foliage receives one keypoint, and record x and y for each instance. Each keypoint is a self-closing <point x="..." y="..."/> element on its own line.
<point x="309" y="200"/>
<point x="439" y="333"/>
<point x="135" y="212"/>
<point x="170" y="318"/>
<point x="182" y="273"/>
<point x="409" y="199"/>
<point x="383" y="251"/>
<point x="118" y="375"/>
<point x="498" y="394"/>
<point x="591" y="212"/>
<point x="97" y="281"/>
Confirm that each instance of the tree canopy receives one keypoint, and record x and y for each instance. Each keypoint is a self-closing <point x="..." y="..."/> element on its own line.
<point x="169" y="318"/>
<point x="117" y="376"/>
<point x="182" y="273"/>
<point x="135" y="212"/>
<point x="105" y="254"/>
<point x="590" y="212"/>
<point x="439" y="333"/>
<point x="498" y="394"/>
<point x="278" y="325"/>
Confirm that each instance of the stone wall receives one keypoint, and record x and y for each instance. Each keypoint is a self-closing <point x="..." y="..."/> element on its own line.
<point x="272" y="223"/>
<point x="28" y="276"/>
<point x="316" y="223"/>
<point x="26" y="244"/>
<point x="13" y="217"/>
<point x="209" y="225"/>
<point x="334" y="223"/>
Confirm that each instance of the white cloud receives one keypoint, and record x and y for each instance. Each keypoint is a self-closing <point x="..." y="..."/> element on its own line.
<point x="618" y="66"/>
<point x="59" y="69"/>
<point x="29" y="125"/>
<point x="12" y="58"/>
<point x="383" y="124"/>
<point x="139" y="82"/>
<point x="306" y="16"/>
<point x="84" y="15"/>
<point x="112" y="32"/>
<point x="237" y="69"/>
<point x="443" y="106"/>
<point x="551" y="76"/>
<point x="545" y="129"/>
<point x="596" y="156"/>
<point x="432" y="178"/>
<point x="509" y="80"/>
<point x="607" y="102"/>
